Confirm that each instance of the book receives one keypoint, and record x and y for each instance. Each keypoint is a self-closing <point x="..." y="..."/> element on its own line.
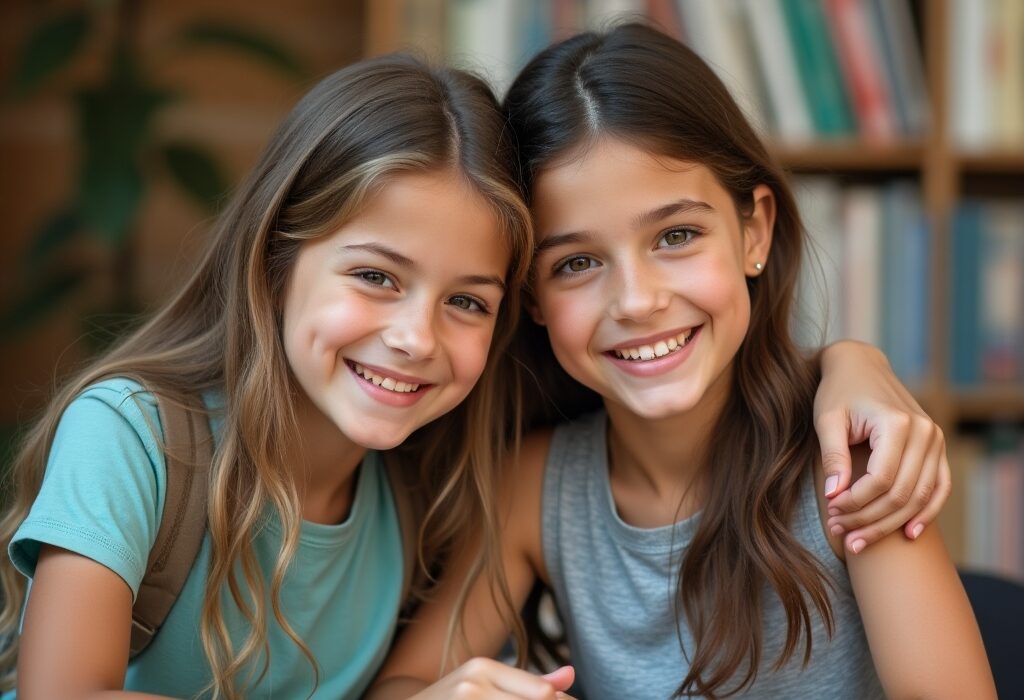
<point x="862" y="223"/>
<point x="773" y="48"/>
<point x="901" y="52"/>
<point x="965" y="286"/>
<point x="859" y="58"/>
<point x="819" y="70"/>
<point x="719" y="33"/>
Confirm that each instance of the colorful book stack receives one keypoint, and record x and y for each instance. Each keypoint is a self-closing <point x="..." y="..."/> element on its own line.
<point x="803" y="70"/>
<point x="865" y="274"/>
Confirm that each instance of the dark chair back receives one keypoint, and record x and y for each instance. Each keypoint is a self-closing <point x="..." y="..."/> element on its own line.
<point x="999" y="606"/>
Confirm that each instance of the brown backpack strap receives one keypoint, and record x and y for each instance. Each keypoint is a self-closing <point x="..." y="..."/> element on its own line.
<point x="188" y="450"/>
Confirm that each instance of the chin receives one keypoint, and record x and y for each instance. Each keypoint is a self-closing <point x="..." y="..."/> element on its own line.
<point x="657" y="410"/>
<point x="378" y="437"/>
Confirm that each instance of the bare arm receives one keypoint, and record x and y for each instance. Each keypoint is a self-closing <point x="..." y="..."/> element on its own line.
<point x="76" y="632"/>
<point x="922" y="633"/>
<point x="907" y="480"/>
<point x="416" y="659"/>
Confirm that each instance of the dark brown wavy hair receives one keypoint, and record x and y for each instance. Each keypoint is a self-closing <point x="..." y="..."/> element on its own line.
<point x="643" y="87"/>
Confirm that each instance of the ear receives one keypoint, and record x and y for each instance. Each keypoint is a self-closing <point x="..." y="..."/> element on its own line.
<point x="757" y="231"/>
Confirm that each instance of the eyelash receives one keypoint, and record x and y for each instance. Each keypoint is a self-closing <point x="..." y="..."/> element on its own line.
<point x="365" y="275"/>
<point x="685" y="230"/>
<point x="560" y="269"/>
<point x="480" y="306"/>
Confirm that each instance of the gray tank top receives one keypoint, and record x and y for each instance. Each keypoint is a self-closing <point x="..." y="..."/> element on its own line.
<point x="615" y="586"/>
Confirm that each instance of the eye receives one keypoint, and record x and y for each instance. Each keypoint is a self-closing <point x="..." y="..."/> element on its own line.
<point x="376" y="278"/>
<point x="677" y="237"/>
<point x="468" y="303"/>
<point x="575" y="265"/>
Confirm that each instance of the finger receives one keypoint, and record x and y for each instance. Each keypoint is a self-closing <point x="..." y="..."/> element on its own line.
<point x="833" y="428"/>
<point x="522" y="684"/>
<point x="561" y="678"/>
<point x="862" y="537"/>
<point x="940" y="495"/>
<point x="498" y="680"/>
<point x="888" y="445"/>
<point x="912" y="477"/>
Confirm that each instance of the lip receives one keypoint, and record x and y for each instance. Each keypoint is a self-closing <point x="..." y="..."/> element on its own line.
<point x="660" y="365"/>
<point x="385" y="396"/>
<point x="651" y="339"/>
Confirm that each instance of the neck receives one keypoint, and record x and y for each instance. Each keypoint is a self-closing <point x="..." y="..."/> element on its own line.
<point x="323" y="462"/>
<point x="658" y="466"/>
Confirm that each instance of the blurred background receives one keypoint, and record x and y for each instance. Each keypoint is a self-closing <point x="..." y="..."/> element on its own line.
<point x="125" y="124"/>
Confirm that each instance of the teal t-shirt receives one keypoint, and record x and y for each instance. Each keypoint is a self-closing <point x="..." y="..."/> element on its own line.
<point x="102" y="496"/>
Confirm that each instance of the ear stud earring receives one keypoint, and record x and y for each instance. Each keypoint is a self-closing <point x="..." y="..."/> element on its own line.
<point x="758" y="266"/>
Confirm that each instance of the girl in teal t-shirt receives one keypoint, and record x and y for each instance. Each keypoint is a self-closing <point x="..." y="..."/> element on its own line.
<point x="350" y="296"/>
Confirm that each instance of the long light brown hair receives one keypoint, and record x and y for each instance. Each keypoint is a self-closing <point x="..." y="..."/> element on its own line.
<point x="639" y="85"/>
<point x="339" y="145"/>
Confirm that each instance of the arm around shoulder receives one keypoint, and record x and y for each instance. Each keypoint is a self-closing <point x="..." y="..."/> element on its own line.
<point x="919" y="623"/>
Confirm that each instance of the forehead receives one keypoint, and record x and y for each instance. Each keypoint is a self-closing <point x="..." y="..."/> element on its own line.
<point x="611" y="177"/>
<point x="430" y="215"/>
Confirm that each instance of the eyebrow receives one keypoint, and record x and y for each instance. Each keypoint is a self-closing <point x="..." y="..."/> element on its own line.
<point x="646" y="218"/>
<point x="403" y="261"/>
<point x="682" y="206"/>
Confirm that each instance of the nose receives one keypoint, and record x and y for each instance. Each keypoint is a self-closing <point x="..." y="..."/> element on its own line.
<point x="411" y="332"/>
<point x="638" y="294"/>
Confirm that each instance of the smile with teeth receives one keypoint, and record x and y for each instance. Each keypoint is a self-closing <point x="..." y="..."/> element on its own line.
<point x="664" y="347"/>
<point x="389" y="383"/>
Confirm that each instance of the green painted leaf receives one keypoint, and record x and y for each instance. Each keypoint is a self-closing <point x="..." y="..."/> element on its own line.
<point x="38" y="301"/>
<point x="109" y="196"/>
<point x="114" y="122"/>
<point x="50" y="47"/>
<point x="57" y="230"/>
<point x="253" y="44"/>
<point x="196" y="172"/>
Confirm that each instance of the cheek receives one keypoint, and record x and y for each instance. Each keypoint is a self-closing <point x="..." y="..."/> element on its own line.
<point x="567" y="319"/>
<point x="315" y="331"/>
<point x="469" y="349"/>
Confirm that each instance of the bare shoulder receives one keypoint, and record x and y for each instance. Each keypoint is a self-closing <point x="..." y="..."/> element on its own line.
<point x="521" y="493"/>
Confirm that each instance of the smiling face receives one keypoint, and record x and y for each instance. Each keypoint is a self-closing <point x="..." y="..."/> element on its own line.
<point x="640" y="276"/>
<point x="388" y="320"/>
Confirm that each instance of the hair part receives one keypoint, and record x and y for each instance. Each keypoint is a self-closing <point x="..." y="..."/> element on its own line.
<point x="340" y="144"/>
<point x="636" y="84"/>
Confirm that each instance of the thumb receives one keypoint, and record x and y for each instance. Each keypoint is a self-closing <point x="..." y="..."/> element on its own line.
<point x="561" y="678"/>
<point x="834" y="439"/>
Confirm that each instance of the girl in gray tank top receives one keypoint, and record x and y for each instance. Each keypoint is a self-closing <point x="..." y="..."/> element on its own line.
<point x="679" y="525"/>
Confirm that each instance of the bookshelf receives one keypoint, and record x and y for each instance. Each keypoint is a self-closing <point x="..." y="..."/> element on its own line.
<point x="931" y="159"/>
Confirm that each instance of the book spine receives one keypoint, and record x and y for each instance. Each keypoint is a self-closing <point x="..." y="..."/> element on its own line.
<point x="861" y="70"/>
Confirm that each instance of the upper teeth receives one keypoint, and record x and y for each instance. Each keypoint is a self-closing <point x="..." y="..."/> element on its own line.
<point x="659" y="349"/>
<point x="389" y="383"/>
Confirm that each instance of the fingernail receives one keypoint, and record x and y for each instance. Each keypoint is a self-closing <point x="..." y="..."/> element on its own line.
<point x="833" y="511"/>
<point x="918" y="529"/>
<point x="836" y="530"/>
<point x="831" y="484"/>
<point x="857" y="546"/>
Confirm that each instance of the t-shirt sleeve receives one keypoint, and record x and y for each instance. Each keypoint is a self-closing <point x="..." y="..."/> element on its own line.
<point x="103" y="488"/>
